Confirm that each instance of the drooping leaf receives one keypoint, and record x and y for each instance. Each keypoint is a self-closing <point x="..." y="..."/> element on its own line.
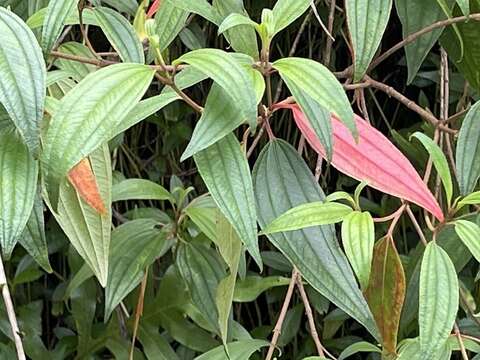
<point x="121" y="34"/>
<point x="239" y="350"/>
<point x="79" y="128"/>
<point x="386" y="291"/>
<point x="251" y="287"/>
<point x="367" y="21"/>
<point x="139" y="189"/>
<point x="55" y="17"/>
<point x="227" y="72"/>
<point x="438" y="300"/>
<point x="469" y="233"/>
<point x="374" y="159"/>
<point x="307" y="215"/>
<point x="358" y="238"/>
<point x="22" y="77"/>
<point x="33" y="238"/>
<point x="18" y="183"/>
<point x="468" y="151"/>
<point x="320" y="84"/>
<point x="287" y="11"/>
<point x="169" y="21"/>
<point x="224" y="169"/>
<point x="135" y="245"/>
<point x="86" y="229"/>
<point x="314" y="251"/>
<point x="440" y="162"/>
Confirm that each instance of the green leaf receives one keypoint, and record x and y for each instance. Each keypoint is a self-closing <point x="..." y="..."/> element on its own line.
<point x="227" y="72"/>
<point x="468" y="151"/>
<point x="120" y="34"/>
<point x="139" y="189"/>
<point x="286" y="12"/>
<point x="205" y="218"/>
<point x="307" y="215"/>
<point x="440" y="162"/>
<point x="314" y="251"/>
<point x="234" y="20"/>
<point x="438" y="300"/>
<point x="414" y="16"/>
<point x="470" y="199"/>
<point x="33" y="238"/>
<point x="169" y="21"/>
<point x="77" y="69"/>
<point x="86" y="229"/>
<point x="469" y="233"/>
<point x="199" y="7"/>
<point x="124" y="6"/>
<point x="320" y="84"/>
<point x="239" y="350"/>
<point x="22" y="77"/>
<point x="155" y="346"/>
<point x="225" y="171"/>
<point x="358" y="239"/>
<point x="18" y="183"/>
<point x="464" y="5"/>
<point x="251" y="287"/>
<point x="361" y="346"/>
<point x="55" y="17"/>
<point x="386" y="291"/>
<point x="367" y="21"/>
<point x="135" y="245"/>
<point x="37" y="20"/>
<point x="89" y="116"/>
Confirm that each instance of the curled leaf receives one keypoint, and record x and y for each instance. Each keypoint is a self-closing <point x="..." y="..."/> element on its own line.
<point x="373" y="159"/>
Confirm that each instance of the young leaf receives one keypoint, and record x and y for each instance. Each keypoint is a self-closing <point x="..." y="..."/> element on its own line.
<point x="307" y="215"/>
<point x="470" y="199"/>
<point x="225" y="171"/>
<point x="386" y="291"/>
<point x="227" y="72"/>
<point x="89" y="116"/>
<point x="438" y="300"/>
<point x="287" y="11"/>
<point x="139" y="189"/>
<point x="367" y="20"/>
<point x="169" y="21"/>
<point x="238" y="350"/>
<point x="22" y="77"/>
<point x="135" y="245"/>
<point x="121" y="35"/>
<point x="374" y="159"/>
<point x="469" y="233"/>
<point x="18" y="183"/>
<point x="440" y="162"/>
<point x="358" y="238"/>
<point x="468" y="151"/>
<point x="314" y="251"/>
<point x="320" y="84"/>
<point x="55" y="17"/>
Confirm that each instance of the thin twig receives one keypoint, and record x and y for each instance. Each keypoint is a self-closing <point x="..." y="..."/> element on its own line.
<point x="416" y="226"/>
<point x="138" y="312"/>
<point x="460" y="341"/>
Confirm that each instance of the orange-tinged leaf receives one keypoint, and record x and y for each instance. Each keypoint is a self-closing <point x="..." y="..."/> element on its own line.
<point x="82" y="178"/>
<point x="373" y="159"/>
<point x="385" y="293"/>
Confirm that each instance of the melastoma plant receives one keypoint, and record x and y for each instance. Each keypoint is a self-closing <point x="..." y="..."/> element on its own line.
<point x="193" y="179"/>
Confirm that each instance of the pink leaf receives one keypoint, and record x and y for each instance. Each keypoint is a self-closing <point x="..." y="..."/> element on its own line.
<point x="373" y="159"/>
<point x="153" y="9"/>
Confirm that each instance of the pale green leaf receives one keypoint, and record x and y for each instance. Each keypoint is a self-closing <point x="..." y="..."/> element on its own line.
<point x="121" y="35"/>
<point x="169" y="21"/>
<point x="438" y="300"/>
<point x="307" y="215"/>
<point x="234" y="20"/>
<point x="464" y="6"/>
<point x="469" y="233"/>
<point x="227" y="72"/>
<point x="37" y="19"/>
<point x="18" y="183"/>
<point x="251" y="287"/>
<point x="89" y="116"/>
<point x="77" y="69"/>
<point x="239" y="350"/>
<point x="139" y="189"/>
<point x="287" y="11"/>
<point x="199" y="7"/>
<point x="358" y="238"/>
<point x="470" y="199"/>
<point x="468" y="151"/>
<point x="320" y="84"/>
<point x="361" y="346"/>
<point x="124" y="6"/>
<point x="205" y="219"/>
<point x="22" y="77"/>
<point x="225" y="171"/>
<point x="367" y="21"/>
<point x="55" y="17"/>
<point x="440" y="162"/>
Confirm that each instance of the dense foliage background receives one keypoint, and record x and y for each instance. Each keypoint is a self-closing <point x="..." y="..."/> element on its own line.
<point x="130" y="194"/>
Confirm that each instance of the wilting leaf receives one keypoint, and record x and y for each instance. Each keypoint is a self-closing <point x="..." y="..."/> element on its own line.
<point x="22" y="77"/>
<point x="139" y="189"/>
<point x="224" y="169"/>
<point x="374" y="159"/>
<point x="89" y="116"/>
<point x="358" y="238"/>
<point x="307" y="215"/>
<point x="469" y="233"/>
<point x="239" y="350"/>
<point x="18" y="183"/>
<point x="438" y="300"/>
<point x="367" y="20"/>
<point x="121" y="34"/>
<point x="386" y="291"/>
<point x="314" y="251"/>
<point x="468" y="151"/>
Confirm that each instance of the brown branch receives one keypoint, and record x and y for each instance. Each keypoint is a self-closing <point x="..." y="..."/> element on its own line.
<point x="138" y="312"/>
<point x="460" y="341"/>
<point x="416" y="226"/>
